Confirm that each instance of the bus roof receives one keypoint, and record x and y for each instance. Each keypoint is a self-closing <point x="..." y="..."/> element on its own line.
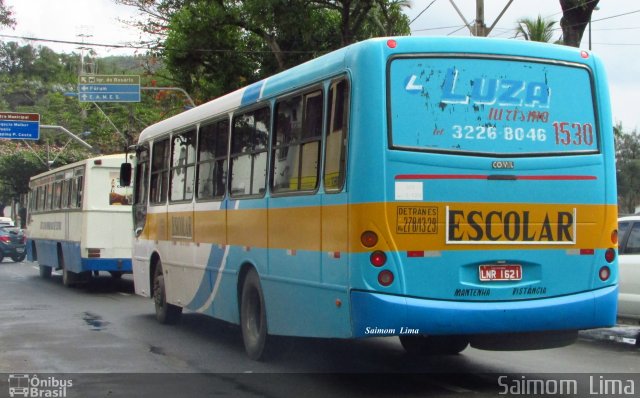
<point x="115" y="159"/>
<point x="339" y="61"/>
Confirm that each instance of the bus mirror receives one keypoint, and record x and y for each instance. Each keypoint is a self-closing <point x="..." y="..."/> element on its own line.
<point x="125" y="174"/>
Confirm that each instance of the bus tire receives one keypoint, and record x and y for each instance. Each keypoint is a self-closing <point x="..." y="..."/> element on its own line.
<point x="166" y="313"/>
<point x="116" y="274"/>
<point x="69" y="278"/>
<point x="45" y="271"/>
<point x="253" y="318"/>
<point x="433" y="345"/>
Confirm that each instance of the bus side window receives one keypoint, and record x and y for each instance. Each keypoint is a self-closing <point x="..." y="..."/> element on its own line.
<point x="141" y="176"/>
<point x="249" y="153"/>
<point x="183" y="166"/>
<point x="79" y="196"/>
<point x="336" y="136"/>
<point x="296" y="146"/>
<point x="48" y="196"/>
<point x="212" y="159"/>
<point x="141" y="184"/>
<point x="159" y="172"/>
<point x="65" y="194"/>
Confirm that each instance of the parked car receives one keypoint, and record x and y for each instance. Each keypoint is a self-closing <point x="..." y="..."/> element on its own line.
<point x="13" y="243"/>
<point x="629" y="271"/>
<point x="6" y="221"/>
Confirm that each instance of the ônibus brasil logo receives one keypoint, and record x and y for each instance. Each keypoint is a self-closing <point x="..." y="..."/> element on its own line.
<point x="34" y="386"/>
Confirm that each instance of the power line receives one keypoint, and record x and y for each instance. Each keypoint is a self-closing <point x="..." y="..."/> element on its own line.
<point x="572" y="8"/>
<point x="132" y="47"/>
<point x="422" y="12"/>
<point x="615" y="16"/>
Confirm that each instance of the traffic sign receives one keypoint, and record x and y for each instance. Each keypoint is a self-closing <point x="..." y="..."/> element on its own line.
<point x="109" y="88"/>
<point x="19" y="126"/>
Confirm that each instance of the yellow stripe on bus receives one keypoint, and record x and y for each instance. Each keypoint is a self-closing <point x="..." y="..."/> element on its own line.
<point x="401" y="226"/>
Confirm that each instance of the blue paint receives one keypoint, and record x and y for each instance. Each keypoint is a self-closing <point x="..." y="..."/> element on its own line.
<point x="47" y="254"/>
<point x="252" y="93"/>
<point x="390" y="312"/>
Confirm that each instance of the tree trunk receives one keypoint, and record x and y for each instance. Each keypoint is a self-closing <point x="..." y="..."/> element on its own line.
<point x="576" y="15"/>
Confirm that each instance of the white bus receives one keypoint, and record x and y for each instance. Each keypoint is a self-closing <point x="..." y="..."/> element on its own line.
<point x="80" y="220"/>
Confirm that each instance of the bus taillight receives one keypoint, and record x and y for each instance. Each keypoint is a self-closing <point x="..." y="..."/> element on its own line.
<point x="610" y="255"/>
<point x="378" y="258"/>
<point x="385" y="278"/>
<point x="369" y="239"/>
<point x="604" y="273"/>
<point x="614" y="237"/>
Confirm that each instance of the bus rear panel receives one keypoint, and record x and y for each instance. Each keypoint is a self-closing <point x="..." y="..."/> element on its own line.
<point x="499" y="212"/>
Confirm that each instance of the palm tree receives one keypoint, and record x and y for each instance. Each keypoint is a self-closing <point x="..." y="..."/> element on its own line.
<point x="538" y="29"/>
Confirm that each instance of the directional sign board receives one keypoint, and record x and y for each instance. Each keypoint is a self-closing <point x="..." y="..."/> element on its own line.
<point x="20" y="126"/>
<point x="108" y="88"/>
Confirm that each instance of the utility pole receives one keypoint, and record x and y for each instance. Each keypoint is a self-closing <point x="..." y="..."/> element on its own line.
<point x="479" y="28"/>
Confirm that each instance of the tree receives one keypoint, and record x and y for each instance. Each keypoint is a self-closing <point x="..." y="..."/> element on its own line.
<point x="627" y="168"/>
<point x="537" y="29"/>
<point x="214" y="47"/>
<point x="576" y="15"/>
<point x="6" y="15"/>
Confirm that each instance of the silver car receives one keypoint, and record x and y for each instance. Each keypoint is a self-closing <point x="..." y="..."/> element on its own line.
<point x="629" y="261"/>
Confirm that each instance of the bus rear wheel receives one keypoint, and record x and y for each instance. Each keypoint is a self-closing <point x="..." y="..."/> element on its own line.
<point x="253" y="318"/>
<point x="433" y="345"/>
<point x="69" y="278"/>
<point x="165" y="313"/>
<point x="45" y="271"/>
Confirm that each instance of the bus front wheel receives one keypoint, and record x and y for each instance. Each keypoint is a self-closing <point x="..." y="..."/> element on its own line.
<point x="433" y="345"/>
<point x="253" y="317"/>
<point x="165" y="313"/>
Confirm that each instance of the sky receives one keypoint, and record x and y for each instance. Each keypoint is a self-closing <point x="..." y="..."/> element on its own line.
<point x="615" y="36"/>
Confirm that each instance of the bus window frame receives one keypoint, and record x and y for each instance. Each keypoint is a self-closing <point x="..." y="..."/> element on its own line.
<point x="193" y="129"/>
<point x="304" y="94"/>
<point x="163" y="171"/>
<point x="268" y="105"/>
<point x="346" y="117"/>
<point x="224" y="158"/>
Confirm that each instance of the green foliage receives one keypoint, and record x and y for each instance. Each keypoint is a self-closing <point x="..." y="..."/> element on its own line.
<point x="214" y="47"/>
<point x="6" y="15"/>
<point x="538" y="29"/>
<point x="627" y="168"/>
<point x="38" y="80"/>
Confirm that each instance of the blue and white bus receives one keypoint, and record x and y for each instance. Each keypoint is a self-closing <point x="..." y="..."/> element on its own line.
<point x="444" y="190"/>
<point x="80" y="220"/>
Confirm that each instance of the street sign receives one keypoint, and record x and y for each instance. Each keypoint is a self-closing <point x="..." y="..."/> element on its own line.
<point x="108" y="88"/>
<point x="19" y="126"/>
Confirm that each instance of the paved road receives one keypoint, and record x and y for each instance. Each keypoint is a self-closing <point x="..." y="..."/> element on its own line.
<point x="107" y="340"/>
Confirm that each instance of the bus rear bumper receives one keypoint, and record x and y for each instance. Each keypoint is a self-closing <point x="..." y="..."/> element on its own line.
<point x="376" y="314"/>
<point x="107" y="264"/>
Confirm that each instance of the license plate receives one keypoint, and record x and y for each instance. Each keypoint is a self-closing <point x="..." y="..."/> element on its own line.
<point x="506" y="272"/>
<point x="20" y="249"/>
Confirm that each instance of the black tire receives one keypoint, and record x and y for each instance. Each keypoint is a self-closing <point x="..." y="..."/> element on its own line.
<point x="19" y="258"/>
<point x="253" y="319"/>
<point x="1" y="257"/>
<point x="45" y="271"/>
<point x="116" y="274"/>
<point x="165" y="313"/>
<point x="69" y="278"/>
<point x="433" y="345"/>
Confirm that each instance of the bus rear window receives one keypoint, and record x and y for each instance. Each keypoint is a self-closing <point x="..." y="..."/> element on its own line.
<point x="491" y="106"/>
